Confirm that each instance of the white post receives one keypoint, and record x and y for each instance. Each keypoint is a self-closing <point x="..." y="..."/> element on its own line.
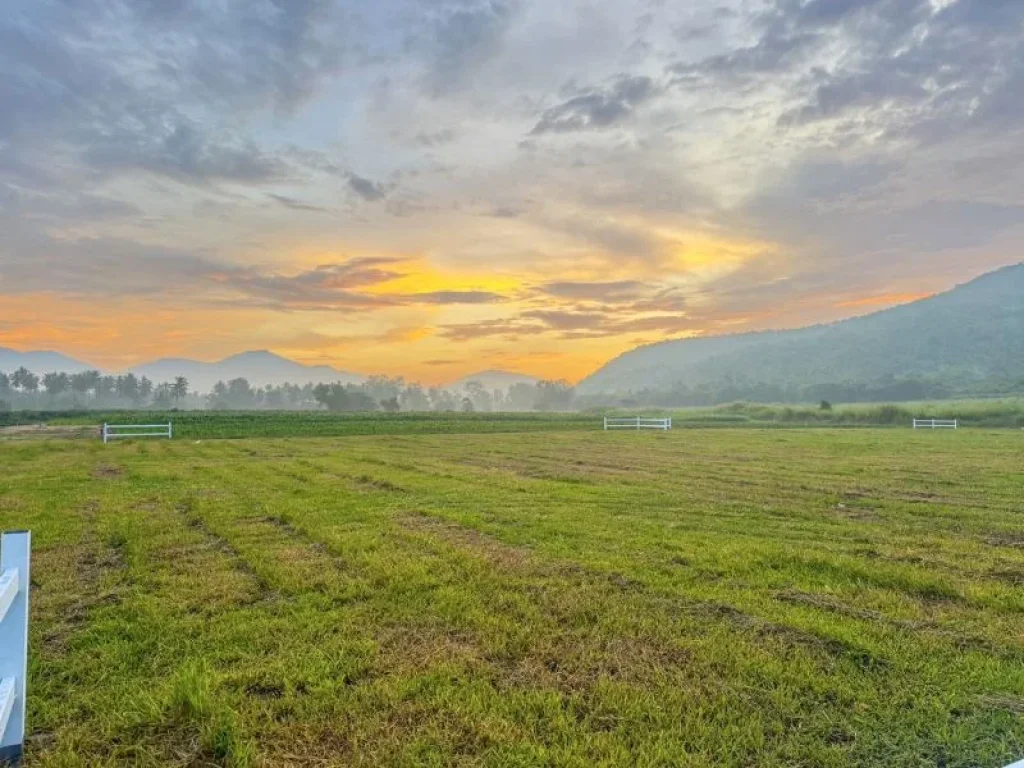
<point x="15" y="549"/>
<point x="170" y="430"/>
<point x="104" y="433"/>
<point x="638" y="423"/>
<point x="605" y="423"/>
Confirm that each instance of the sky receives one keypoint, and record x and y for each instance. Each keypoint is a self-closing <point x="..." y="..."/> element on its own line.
<point x="432" y="187"/>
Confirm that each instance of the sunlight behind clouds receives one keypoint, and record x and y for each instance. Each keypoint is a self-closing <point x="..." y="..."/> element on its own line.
<point x="301" y="176"/>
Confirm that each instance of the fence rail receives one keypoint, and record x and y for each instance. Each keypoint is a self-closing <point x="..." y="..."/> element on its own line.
<point x="936" y="424"/>
<point x="113" y="431"/>
<point x="15" y="549"/>
<point x="636" y="422"/>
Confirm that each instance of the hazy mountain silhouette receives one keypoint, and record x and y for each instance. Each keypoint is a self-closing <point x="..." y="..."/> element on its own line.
<point x="40" y="362"/>
<point x="258" y="367"/>
<point x="964" y="338"/>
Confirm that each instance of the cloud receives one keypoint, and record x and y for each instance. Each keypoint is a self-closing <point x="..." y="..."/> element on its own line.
<point x="175" y="148"/>
<point x="571" y="325"/>
<point x="606" y="292"/>
<point x="435" y="138"/>
<point x="185" y="154"/>
<point x="595" y="108"/>
<point x="366" y="189"/>
<point x="455" y="297"/>
<point x="511" y="330"/>
<point x="296" y="205"/>
<point x="462" y="37"/>
<point x="121" y="86"/>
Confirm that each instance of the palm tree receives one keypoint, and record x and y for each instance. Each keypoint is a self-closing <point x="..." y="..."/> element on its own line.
<point x="179" y="389"/>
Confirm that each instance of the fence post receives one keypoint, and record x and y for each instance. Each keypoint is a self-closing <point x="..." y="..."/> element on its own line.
<point x="104" y="433"/>
<point x="15" y="552"/>
<point x="638" y="423"/>
<point x="170" y="430"/>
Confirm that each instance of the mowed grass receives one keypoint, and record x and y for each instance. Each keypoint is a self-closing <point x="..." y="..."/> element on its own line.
<point x="720" y="597"/>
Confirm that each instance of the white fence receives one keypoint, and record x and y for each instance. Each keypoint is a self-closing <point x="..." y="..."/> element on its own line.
<point x="113" y="431"/>
<point x="935" y="424"/>
<point x="636" y="422"/>
<point x="15" y="548"/>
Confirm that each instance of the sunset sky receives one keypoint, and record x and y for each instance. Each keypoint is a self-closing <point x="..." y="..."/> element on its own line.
<point x="429" y="188"/>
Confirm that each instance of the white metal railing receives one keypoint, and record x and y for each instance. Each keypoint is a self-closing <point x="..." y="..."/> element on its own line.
<point x="113" y="431"/>
<point x="935" y="423"/>
<point x="636" y="422"/>
<point x="15" y="549"/>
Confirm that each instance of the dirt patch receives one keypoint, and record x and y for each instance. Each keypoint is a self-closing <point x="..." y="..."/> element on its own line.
<point x="1006" y="703"/>
<point x="376" y="484"/>
<point x="302" y="564"/>
<point x="265" y="690"/>
<point x="260" y="590"/>
<point x="107" y="472"/>
<point x="1013" y="539"/>
<point x="44" y="431"/>
<point x="853" y="511"/>
<point x="418" y="648"/>
<point x="490" y="549"/>
<point x="99" y="580"/>
<point x="1013" y="576"/>
<point x="825" y="603"/>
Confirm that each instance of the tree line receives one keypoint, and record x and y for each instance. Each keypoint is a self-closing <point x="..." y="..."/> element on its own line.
<point x="735" y="389"/>
<point x="25" y="390"/>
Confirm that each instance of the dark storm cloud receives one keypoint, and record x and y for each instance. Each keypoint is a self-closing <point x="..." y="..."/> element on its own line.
<point x="596" y="108"/>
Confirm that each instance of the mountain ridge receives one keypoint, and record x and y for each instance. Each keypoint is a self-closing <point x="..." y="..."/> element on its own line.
<point x="971" y="333"/>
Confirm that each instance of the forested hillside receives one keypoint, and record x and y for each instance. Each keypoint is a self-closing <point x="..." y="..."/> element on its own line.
<point x="968" y="340"/>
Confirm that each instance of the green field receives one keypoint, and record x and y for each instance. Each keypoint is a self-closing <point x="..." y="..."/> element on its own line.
<point x="704" y="597"/>
<point x="236" y="424"/>
<point x="210" y="424"/>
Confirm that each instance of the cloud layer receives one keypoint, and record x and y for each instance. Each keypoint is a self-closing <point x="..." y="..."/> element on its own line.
<point x="523" y="183"/>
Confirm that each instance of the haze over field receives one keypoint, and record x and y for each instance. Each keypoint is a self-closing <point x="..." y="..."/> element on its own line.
<point x="431" y="189"/>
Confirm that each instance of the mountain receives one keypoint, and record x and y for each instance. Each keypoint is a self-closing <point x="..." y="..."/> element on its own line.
<point x="964" y="339"/>
<point x="259" y="368"/>
<point x="492" y="380"/>
<point x="39" y="362"/>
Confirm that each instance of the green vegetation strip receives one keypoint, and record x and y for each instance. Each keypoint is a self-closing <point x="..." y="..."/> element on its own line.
<point x="700" y="597"/>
